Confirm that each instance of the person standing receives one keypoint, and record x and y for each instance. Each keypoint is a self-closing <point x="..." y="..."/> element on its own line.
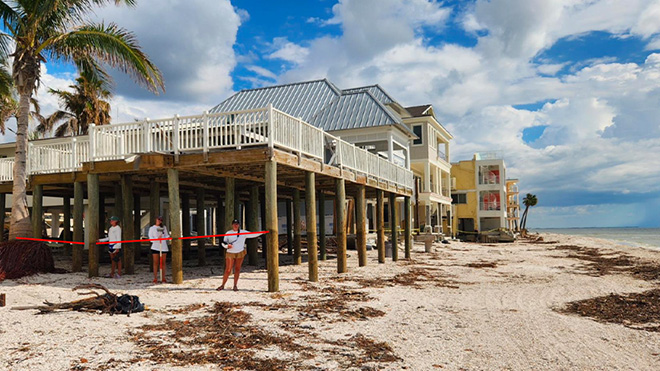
<point x="235" y="245"/>
<point x="114" y="247"/>
<point x="159" y="249"/>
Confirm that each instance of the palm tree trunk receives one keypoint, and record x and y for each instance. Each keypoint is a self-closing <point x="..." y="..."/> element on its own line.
<point x="20" y="216"/>
<point x="523" y="220"/>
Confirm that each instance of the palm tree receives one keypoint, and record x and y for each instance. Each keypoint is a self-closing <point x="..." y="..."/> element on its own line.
<point x="529" y="201"/>
<point x="84" y="106"/>
<point x="8" y="103"/>
<point x="60" y="30"/>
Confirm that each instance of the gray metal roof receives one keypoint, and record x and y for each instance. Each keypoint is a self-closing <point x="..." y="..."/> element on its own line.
<point x="303" y="99"/>
<point x="321" y="104"/>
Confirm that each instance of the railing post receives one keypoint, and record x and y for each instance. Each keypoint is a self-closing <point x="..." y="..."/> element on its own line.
<point x="339" y="151"/>
<point x="271" y="127"/>
<point x="175" y="145"/>
<point x="146" y="136"/>
<point x="92" y="142"/>
<point x="300" y="125"/>
<point x="205" y="134"/>
<point x="74" y="154"/>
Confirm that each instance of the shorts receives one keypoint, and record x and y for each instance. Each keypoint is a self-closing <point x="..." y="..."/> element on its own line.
<point x="156" y="252"/>
<point x="235" y="255"/>
<point x="117" y="258"/>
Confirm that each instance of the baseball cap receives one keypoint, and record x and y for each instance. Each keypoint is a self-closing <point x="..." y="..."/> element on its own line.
<point x="114" y="218"/>
<point x="159" y="217"/>
<point x="235" y="221"/>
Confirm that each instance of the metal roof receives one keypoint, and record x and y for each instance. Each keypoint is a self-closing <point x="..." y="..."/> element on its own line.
<point x="303" y="99"/>
<point x="322" y="104"/>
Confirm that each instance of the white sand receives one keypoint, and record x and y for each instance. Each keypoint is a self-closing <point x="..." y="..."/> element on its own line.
<point x="498" y="318"/>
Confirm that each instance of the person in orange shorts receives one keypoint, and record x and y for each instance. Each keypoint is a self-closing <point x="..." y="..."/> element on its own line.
<point x="235" y="245"/>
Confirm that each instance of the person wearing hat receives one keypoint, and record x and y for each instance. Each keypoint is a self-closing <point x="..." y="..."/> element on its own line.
<point x="235" y="245"/>
<point x="159" y="249"/>
<point x="114" y="247"/>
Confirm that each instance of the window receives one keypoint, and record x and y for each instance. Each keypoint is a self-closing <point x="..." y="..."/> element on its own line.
<point x="417" y="129"/>
<point x="489" y="200"/>
<point x="459" y="198"/>
<point x="489" y="174"/>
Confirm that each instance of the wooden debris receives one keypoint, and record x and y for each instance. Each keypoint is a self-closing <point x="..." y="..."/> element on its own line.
<point x="101" y="302"/>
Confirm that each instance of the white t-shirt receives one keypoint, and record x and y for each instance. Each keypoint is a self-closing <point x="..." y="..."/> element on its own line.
<point x="114" y="234"/>
<point x="238" y="242"/>
<point x="159" y="232"/>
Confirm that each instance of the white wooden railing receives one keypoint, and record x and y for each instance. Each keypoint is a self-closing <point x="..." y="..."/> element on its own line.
<point x="202" y="133"/>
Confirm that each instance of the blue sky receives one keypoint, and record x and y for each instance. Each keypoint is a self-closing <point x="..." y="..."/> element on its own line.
<point x="568" y="90"/>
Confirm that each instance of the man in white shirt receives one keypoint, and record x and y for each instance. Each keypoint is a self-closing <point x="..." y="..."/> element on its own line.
<point x="114" y="247"/>
<point x="159" y="249"/>
<point x="235" y="245"/>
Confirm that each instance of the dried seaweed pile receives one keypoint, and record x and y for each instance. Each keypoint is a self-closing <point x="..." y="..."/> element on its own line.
<point x="24" y="258"/>
<point x="482" y="264"/>
<point x="639" y="311"/>
<point x="104" y="302"/>
<point x="416" y="277"/>
<point x="597" y="263"/>
<point x="228" y="338"/>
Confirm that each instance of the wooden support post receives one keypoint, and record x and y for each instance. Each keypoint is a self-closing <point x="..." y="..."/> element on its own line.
<point x="272" y="227"/>
<point x="230" y="193"/>
<point x="323" y="252"/>
<point x="175" y="225"/>
<point x="380" y="226"/>
<point x="185" y="219"/>
<point x="118" y="210"/>
<point x="37" y="211"/>
<point x="201" y="228"/>
<point x="154" y="210"/>
<point x="289" y="227"/>
<point x="78" y="207"/>
<point x="340" y="214"/>
<point x="361" y="225"/>
<point x="297" y="240"/>
<point x="310" y="216"/>
<point x="394" y="224"/>
<point x="265" y="238"/>
<point x="219" y="218"/>
<point x="102" y="220"/>
<point x="137" y="234"/>
<point x="407" y="233"/>
<point x="128" y="223"/>
<point x="3" y="211"/>
<point x="253" y="225"/>
<point x="67" y="223"/>
<point x="93" y="223"/>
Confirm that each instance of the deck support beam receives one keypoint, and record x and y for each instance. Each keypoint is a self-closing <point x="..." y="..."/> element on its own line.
<point x="289" y="229"/>
<point x="230" y="194"/>
<point x="201" y="228"/>
<point x="3" y="211"/>
<point x="340" y="213"/>
<point x="154" y="211"/>
<point x="185" y="219"/>
<point x="253" y="225"/>
<point x="407" y="232"/>
<point x="37" y="211"/>
<point x="360" y="221"/>
<point x="310" y="215"/>
<point x="93" y="224"/>
<point x="78" y="210"/>
<point x="128" y="223"/>
<point x="380" y="226"/>
<point x="323" y="252"/>
<point x="394" y="227"/>
<point x="175" y="225"/>
<point x="297" y="240"/>
<point x="66" y="210"/>
<point x="271" y="226"/>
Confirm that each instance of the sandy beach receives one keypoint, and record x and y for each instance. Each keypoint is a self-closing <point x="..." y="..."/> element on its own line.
<point x="464" y="306"/>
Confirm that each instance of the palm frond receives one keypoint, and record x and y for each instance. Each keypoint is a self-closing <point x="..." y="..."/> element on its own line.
<point x="108" y="44"/>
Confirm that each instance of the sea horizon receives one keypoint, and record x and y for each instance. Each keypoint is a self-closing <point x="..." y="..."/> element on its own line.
<point x="630" y="236"/>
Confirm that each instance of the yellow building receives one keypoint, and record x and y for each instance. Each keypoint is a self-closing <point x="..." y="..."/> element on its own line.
<point x="512" y="204"/>
<point x="479" y="194"/>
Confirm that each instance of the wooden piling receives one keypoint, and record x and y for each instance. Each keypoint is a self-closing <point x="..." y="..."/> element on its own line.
<point x="310" y="216"/>
<point x="37" y="211"/>
<point x="360" y="220"/>
<point x="154" y="210"/>
<point x="340" y="215"/>
<point x="321" y="237"/>
<point x="175" y="225"/>
<point x="253" y="225"/>
<point x="380" y="226"/>
<point x="271" y="226"/>
<point x="185" y="219"/>
<point x="137" y="234"/>
<point x="297" y="240"/>
<point x="394" y="224"/>
<point x="230" y="208"/>
<point x="289" y="227"/>
<point x="3" y="211"/>
<point x="201" y="228"/>
<point x="265" y="238"/>
<point x="66" y="210"/>
<point x="407" y="232"/>
<point x="93" y="223"/>
<point x="78" y="210"/>
<point x="127" y="223"/>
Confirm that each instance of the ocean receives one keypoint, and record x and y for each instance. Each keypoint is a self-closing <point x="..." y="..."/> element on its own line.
<point x="643" y="237"/>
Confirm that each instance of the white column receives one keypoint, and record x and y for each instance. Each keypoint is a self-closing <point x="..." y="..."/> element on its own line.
<point x="55" y="224"/>
<point x="408" y="157"/>
<point x="390" y="147"/>
<point x="427" y="177"/>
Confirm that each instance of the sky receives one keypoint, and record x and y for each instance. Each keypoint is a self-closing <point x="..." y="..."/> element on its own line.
<point x="567" y="90"/>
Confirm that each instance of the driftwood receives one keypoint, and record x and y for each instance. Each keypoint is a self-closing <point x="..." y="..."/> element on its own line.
<point x="103" y="303"/>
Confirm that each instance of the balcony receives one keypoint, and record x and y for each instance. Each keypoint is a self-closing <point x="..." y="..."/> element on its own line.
<point x="489" y="206"/>
<point x="440" y="154"/>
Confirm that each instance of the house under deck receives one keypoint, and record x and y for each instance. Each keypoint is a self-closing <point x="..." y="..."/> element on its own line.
<point x="257" y="156"/>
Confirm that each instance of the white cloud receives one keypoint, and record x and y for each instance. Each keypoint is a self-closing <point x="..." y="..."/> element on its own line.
<point x="288" y="51"/>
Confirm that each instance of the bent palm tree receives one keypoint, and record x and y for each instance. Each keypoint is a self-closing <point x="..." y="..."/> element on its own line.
<point x="58" y="29"/>
<point x="529" y="201"/>
<point x="83" y="106"/>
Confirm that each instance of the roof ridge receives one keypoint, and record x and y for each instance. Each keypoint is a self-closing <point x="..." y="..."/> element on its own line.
<point x="291" y="84"/>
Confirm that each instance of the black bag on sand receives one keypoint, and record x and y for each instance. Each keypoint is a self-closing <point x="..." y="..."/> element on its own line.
<point x="127" y="304"/>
